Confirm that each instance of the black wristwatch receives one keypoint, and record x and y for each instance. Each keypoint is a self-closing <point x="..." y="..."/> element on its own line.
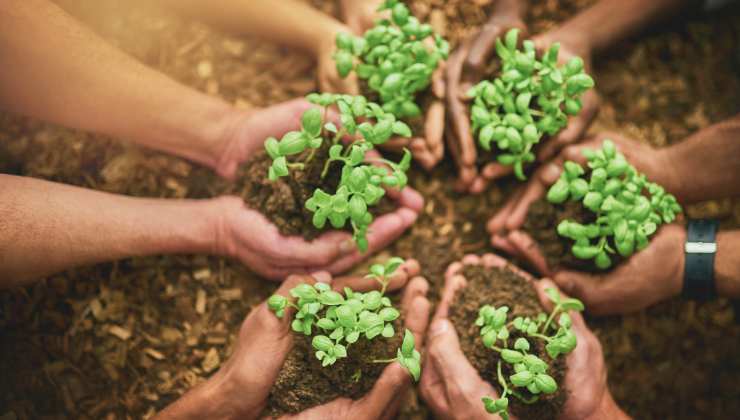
<point x="700" y="248"/>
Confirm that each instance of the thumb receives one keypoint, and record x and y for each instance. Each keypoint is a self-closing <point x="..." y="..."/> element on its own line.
<point x="444" y="351"/>
<point x="586" y="287"/>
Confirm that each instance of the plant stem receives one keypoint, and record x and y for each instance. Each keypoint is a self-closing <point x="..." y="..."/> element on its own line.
<point x="552" y="315"/>
<point x="384" y="361"/>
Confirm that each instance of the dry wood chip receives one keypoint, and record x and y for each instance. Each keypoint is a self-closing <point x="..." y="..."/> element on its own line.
<point x="211" y="361"/>
<point x="119" y="332"/>
<point x="154" y="354"/>
<point x="200" y="301"/>
<point x="205" y="69"/>
<point x="231" y="294"/>
<point x="171" y="334"/>
<point x="202" y="274"/>
<point x="96" y="308"/>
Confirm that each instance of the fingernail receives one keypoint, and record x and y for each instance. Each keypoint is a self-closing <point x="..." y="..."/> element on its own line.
<point x="440" y="326"/>
<point x="346" y="247"/>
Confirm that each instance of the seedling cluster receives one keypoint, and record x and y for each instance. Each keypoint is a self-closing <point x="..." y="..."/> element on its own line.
<point x="530" y="371"/>
<point x="362" y="181"/>
<point x="531" y="98"/>
<point x="397" y="58"/>
<point x="340" y="321"/>
<point x="627" y="206"/>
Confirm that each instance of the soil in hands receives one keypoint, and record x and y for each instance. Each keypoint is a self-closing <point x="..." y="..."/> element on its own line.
<point x="283" y="202"/>
<point x="423" y="99"/>
<point x="499" y="287"/>
<point x="541" y="224"/>
<point x="303" y="383"/>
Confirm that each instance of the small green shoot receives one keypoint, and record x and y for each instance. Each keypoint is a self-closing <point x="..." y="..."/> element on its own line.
<point x="337" y="321"/>
<point x="530" y="371"/>
<point x="628" y="208"/>
<point x="362" y="183"/>
<point x="533" y="97"/>
<point x="396" y="57"/>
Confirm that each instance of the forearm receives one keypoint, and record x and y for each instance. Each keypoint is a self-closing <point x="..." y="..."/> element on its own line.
<point x="706" y="165"/>
<point x="58" y="70"/>
<point x="727" y="264"/>
<point x="610" y="21"/>
<point x="509" y="10"/>
<point x="47" y="227"/>
<point x="608" y="410"/>
<point x="206" y="401"/>
<point x="286" y="22"/>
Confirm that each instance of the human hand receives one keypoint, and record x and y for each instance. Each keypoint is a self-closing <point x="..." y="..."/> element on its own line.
<point x="464" y="69"/>
<point x="264" y="342"/>
<point x="586" y="379"/>
<point x="360" y="15"/>
<point x="329" y="79"/>
<point x="454" y="389"/>
<point x="650" y="276"/>
<point x="246" y="234"/>
<point x="505" y="226"/>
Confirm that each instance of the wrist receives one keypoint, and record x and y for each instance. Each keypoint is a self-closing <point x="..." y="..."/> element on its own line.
<point x="669" y="176"/>
<point x="216" y="398"/>
<point x="572" y="42"/>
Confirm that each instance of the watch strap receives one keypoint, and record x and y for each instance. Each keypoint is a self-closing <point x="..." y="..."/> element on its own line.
<point x="700" y="249"/>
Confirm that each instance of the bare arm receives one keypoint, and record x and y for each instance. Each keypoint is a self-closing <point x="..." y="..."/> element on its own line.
<point x="47" y="227"/>
<point x="286" y="22"/>
<point x="727" y="264"/>
<point x="706" y="165"/>
<point x="54" y="68"/>
<point x="610" y="21"/>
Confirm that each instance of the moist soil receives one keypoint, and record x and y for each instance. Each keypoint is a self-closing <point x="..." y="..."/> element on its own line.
<point x="541" y="223"/>
<point x="423" y="99"/>
<point x="303" y="383"/>
<point x="283" y="201"/>
<point x="499" y="287"/>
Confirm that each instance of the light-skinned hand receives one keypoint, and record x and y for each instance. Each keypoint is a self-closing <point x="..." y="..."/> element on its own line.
<point x="245" y="234"/>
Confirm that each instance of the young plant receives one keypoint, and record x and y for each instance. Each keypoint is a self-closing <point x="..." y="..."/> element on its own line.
<point x="397" y="58"/>
<point x="530" y="371"/>
<point x="340" y="320"/>
<point x="531" y="98"/>
<point x="628" y="208"/>
<point x="362" y="183"/>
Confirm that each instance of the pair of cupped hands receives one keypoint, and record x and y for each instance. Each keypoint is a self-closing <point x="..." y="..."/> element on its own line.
<point x="449" y="384"/>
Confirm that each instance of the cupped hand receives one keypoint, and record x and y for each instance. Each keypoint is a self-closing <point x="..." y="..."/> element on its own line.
<point x="241" y="387"/>
<point x="360" y="15"/>
<point x="453" y="388"/>
<point x="506" y="225"/>
<point x="248" y="235"/>
<point x="464" y="69"/>
<point x="650" y="276"/>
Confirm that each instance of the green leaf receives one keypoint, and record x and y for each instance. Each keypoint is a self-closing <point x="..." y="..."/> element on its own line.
<point x="558" y="192"/>
<point x="323" y="343"/>
<point x="389" y="314"/>
<point x="511" y="38"/>
<point x="521" y="344"/>
<point x="512" y="356"/>
<point x="522" y="379"/>
<point x="571" y="304"/>
<point x="407" y="346"/>
<point x="552" y="294"/>
<point x="388" y="331"/>
<point x="402" y="129"/>
<point x="345" y="62"/>
<point x="545" y="383"/>
<point x="331" y="297"/>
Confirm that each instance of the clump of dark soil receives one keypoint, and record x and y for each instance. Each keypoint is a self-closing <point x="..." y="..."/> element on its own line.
<point x="541" y="224"/>
<point x="303" y="383"/>
<point x="499" y="287"/>
<point x="283" y="201"/>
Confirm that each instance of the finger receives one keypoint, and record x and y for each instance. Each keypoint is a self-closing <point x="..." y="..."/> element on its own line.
<point x="438" y="80"/>
<point x="502" y="242"/>
<point x="482" y="47"/>
<point x="599" y="295"/>
<point x="396" y="144"/>
<point x="452" y="285"/>
<point x="394" y="381"/>
<point x="408" y="197"/>
<point x="490" y="260"/>
<point x="535" y="189"/>
<point x="529" y="250"/>
<point x="497" y="223"/>
<point x="422" y="154"/>
<point x="416" y="308"/>
<point x="462" y="381"/>
<point x="382" y="232"/>
<point x="434" y="129"/>
<point x="433" y="391"/>
<point x="409" y="269"/>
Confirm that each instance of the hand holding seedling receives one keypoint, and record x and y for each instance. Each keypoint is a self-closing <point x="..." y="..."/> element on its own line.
<point x="453" y="387"/>
<point x="464" y="69"/>
<point x="397" y="59"/>
<point x="505" y="226"/>
<point x="241" y="387"/>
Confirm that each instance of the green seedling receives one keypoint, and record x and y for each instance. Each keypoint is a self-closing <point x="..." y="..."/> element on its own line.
<point x="530" y="372"/>
<point x="363" y="181"/>
<point x="532" y="97"/>
<point x="628" y="208"/>
<point x="337" y="320"/>
<point x="396" y="57"/>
